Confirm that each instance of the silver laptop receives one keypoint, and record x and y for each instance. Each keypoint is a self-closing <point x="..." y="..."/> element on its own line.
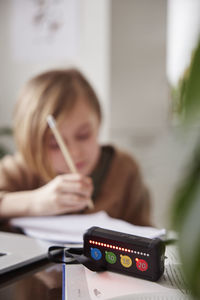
<point x="18" y="251"/>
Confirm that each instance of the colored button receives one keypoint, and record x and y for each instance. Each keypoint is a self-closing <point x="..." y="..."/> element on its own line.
<point x="141" y="264"/>
<point x="126" y="261"/>
<point x="96" y="253"/>
<point x="111" y="257"/>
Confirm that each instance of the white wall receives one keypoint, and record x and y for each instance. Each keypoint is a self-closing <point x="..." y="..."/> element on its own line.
<point x="142" y="39"/>
<point x="182" y="35"/>
<point x="138" y="65"/>
<point x="92" y="57"/>
<point x="139" y="92"/>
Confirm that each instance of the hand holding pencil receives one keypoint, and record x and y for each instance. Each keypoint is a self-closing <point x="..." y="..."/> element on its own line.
<point x="64" y="150"/>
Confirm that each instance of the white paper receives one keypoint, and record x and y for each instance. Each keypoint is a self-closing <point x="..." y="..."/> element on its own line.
<point x="84" y="284"/>
<point x="70" y="228"/>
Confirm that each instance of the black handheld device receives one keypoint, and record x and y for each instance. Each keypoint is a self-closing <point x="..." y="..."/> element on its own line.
<point x="125" y="253"/>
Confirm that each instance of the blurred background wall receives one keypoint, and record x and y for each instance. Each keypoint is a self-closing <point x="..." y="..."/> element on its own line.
<point x="126" y="49"/>
<point x="89" y="52"/>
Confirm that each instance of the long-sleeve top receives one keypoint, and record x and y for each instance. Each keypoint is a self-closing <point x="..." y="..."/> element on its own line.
<point x="118" y="186"/>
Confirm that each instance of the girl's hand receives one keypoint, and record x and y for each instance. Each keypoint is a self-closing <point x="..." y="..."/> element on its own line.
<point x="64" y="194"/>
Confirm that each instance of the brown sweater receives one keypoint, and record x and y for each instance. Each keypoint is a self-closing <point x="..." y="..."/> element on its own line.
<point x="120" y="192"/>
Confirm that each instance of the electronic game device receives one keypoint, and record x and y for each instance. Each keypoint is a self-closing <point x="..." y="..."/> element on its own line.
<point x="125" y="253"/>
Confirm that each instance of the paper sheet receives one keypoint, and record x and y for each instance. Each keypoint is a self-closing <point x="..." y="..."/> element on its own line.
<point x="70" y="228"/>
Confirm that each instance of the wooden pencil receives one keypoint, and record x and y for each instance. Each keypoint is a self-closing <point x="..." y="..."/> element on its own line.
<point x="52" y="124"/>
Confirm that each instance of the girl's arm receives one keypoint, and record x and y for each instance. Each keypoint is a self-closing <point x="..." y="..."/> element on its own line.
<point x="64" y="194"/>
<point x="16" y="204"/>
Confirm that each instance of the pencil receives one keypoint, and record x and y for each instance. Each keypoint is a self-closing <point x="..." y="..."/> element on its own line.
<point x="52" y="124"/>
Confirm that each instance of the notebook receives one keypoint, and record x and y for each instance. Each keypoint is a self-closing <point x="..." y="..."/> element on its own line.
<point x="70" y="228"/>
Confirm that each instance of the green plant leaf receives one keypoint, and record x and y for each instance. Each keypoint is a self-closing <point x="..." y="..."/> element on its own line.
<point x="186" y="192"/>
<point x="191" y="93"/>
<point x="3" y="151"/>
<point x="6" y="131"/>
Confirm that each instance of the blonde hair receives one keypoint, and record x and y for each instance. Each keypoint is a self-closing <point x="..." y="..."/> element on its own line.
<point x="54" y="92"/>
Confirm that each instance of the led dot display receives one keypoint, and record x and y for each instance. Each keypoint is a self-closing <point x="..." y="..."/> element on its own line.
<point x="117" y="248"/>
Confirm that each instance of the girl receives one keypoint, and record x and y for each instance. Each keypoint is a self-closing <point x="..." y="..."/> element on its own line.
<point x="36" y="180"/>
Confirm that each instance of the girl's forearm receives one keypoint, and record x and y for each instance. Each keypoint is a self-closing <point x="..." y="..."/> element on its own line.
<point x="16" y="204"/>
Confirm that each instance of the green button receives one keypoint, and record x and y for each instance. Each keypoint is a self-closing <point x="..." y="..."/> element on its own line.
<point x="111" y="257"/>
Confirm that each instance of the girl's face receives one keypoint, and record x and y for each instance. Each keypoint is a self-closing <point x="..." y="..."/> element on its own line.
<point x="79" y="131"/>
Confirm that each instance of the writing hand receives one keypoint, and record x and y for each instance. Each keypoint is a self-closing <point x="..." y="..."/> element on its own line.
<point x="64" y="194"/>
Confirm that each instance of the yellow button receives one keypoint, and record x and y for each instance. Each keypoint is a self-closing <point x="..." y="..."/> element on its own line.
<point x="126" y="261"/>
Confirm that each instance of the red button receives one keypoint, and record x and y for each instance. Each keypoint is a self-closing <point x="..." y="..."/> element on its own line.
<point x="141" y="265"/>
